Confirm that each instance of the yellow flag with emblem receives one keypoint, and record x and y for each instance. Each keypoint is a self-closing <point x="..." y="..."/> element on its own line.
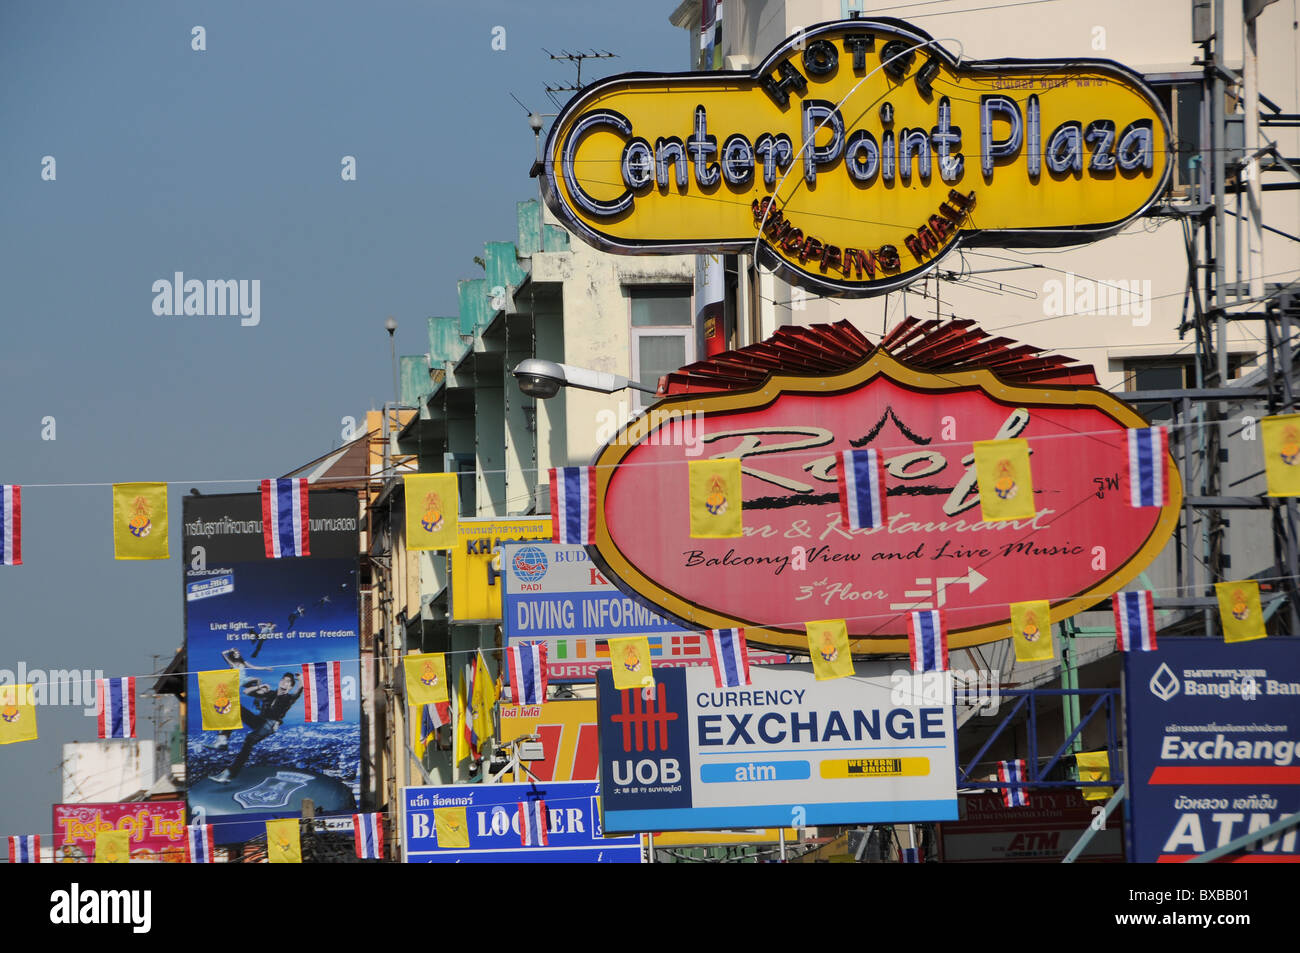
<point x="1031" y="631"/>
<point x="1281" y="438"/>
<point x="17" y="714"/>
<point x="282" y="843"/>
<point x="629" y="659"/>
<point x="1240" y="612"/>
<point x="715" y="499"/>
<point x="112" y="847"/>
<point x="426" y="678"/>
<point x="484" y="702"/>
<point x="219" y="700"/>
<point x="432" y="510"/>
<point x="1002" y="471"/>
<point x="140" y="520"/>
<point x="828" y="646"/>
<point x="451" y="827"/>
<point x="1094" y="766"/>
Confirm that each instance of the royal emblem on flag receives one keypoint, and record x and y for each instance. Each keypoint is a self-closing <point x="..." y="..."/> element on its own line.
<point x="1289" y="450"/>
<point x="140" y="525"/>
<point x="222" y="702"/>
<point x="1030" y="629"/>
<point x="431" y="519"/>
<point x="716" y="501"/>
<point x="1005" y="484"/>
<point x="428" y="676"/>
<point x="10" y="713"/>
<point x="631" y="660"/>
<point x="829" y="651"/>
<point x="1240" y="608"/>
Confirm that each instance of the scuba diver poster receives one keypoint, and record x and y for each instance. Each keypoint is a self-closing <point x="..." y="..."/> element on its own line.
<point x="282" y="624"/>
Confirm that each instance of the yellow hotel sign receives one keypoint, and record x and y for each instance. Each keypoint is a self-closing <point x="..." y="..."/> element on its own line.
<point x="857" y="155"/>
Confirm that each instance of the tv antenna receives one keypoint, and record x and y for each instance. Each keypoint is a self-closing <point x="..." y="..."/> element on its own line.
<point x="576" y="59"/>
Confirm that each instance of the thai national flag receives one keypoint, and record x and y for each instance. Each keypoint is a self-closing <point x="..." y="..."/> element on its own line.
<point x="115" y="704"/>
<point x="532" y="823"/>
<point x="911" y="855"/>
<point x="25" y="849"/>
<point x="368" y="832"/>
<point x="11" y="524"/>
<point x="928" y="640"/>
<point x="1135" y="621"/>
<point x="198" y="841"/>
<point x="861" y="480"/>
<point x="284" y="518"/>
<point x="1147" y="476"/>
<point x="1013" y="772"/>
<point x="573" y="505"/>
<point x="322" y="691"/>
<point x="527" y="664"/>
<point x="729" y="658"/>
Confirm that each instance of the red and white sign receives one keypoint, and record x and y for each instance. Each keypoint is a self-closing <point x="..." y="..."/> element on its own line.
<point x="797" y="561"/>
<point x="1042" y="833"/>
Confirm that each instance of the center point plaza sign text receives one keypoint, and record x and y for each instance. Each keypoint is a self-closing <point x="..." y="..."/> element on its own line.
<point x="858" y="153"/>
<point x="933" y="550"/>
<point x="784" y="751"/>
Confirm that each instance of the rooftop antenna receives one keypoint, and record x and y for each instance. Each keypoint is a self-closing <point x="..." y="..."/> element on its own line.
<point x="577" y="59"/>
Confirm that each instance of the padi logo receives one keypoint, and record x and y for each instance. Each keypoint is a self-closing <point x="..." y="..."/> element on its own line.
<point x="76" y="906"/>
<point x="1164" y="683"/>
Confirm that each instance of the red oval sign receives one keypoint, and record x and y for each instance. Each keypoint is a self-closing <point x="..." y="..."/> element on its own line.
<point x="934" y="551"/>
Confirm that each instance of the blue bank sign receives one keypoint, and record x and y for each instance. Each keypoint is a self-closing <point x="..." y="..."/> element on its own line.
<point x="1213" y="736"/>
<point x="492" y="823"/>
<point x="786" y="750"/>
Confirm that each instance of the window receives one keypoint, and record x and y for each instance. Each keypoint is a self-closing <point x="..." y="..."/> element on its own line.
<point x="1166" y="373"/>
<point x="1180" y="95"/>
<point x="663" y="335"/>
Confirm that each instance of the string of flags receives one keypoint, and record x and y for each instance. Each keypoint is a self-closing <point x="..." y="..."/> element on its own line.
<point x="729" y="658"/>
<point x="115" y="707"/>
<point x="533" y="824"/>
<point x="1003" y="474"/>
<point x="928" y="641"/>
<point x="527" y="667"/>
<point x="198" y="843"/>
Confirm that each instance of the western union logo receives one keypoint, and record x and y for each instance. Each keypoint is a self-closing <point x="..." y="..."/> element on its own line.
<point x="876" y="768"/>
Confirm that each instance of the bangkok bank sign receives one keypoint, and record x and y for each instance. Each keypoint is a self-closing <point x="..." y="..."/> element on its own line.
<point x="857" y="155"/>
<point x="797" y="562"/>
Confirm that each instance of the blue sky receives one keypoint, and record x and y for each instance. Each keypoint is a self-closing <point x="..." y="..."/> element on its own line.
<point x="225" y="163"/>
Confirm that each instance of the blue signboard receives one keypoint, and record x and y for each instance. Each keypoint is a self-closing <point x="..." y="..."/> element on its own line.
<point x="1213" y="734"/>
<point x="492" y="823"/>
<point x="266" y="618"/>
<point x="787" y="750"/>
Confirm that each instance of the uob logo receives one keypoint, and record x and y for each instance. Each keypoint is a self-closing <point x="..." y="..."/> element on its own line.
<point x="644" y="719"/>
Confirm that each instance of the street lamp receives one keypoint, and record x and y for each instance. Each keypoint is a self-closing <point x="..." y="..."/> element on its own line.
<point x="539" y="378"/>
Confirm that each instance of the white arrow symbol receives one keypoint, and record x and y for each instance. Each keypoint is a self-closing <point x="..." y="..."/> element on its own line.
<point x="973" y="578"/>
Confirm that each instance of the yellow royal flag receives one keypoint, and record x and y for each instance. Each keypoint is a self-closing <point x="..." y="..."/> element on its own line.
<point x="432" y="509"/>
<point x="426" y="678"/>
<point x="282" y="844"/>
<point x="460" y="740"/>
<point x="1031" y="631"/>
<point x="715" y="499"/>
<point x="630" y="661"/>
<point x="219" y="700"/>
<point x="1281" y="439"/>
<point x="828" y="645"/>
<point x="17" y="714"/>
<point x="1094" y="766"/>
<point x="140" y="520"/>
<point x="451" y="826"/>
<point x="1240" y="611"/>
<point x="484" y="701"/>
<point x="1002" y="469"/>
<point x="112" y="847"/>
